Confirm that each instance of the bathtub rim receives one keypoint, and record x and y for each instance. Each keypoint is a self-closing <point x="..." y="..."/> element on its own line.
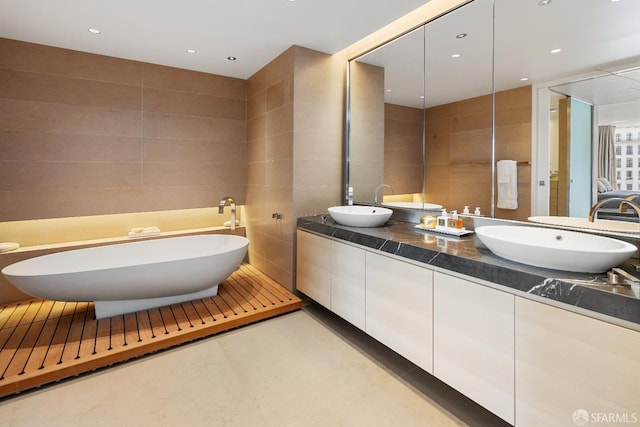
<point x="137" y="242"/>
<point x="10" y="294"/>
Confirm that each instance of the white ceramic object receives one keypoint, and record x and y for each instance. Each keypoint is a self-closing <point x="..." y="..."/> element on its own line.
<point x="597" y="224"/>
<point x="554" y="248"/>
<point x="128" y="277"/>
<point x="360" y="216"/>
<point x="414" y="205"/>
<point x="8" y="246"/>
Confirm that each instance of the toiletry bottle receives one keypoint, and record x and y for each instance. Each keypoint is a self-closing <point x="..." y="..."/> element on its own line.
<point x="457" y="221"/>
<point x="477" y="211"/>
<point x="451" y="221"/>
<point x="442" y="219"/>
<point x="466" y="210"/>
<point x="350" y="196"/>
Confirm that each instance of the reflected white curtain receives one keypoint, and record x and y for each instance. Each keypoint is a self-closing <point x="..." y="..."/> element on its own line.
<point x="607" y="153"/>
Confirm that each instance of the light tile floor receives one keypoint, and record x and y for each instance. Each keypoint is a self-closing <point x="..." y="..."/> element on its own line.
<point x="306" y="368"/>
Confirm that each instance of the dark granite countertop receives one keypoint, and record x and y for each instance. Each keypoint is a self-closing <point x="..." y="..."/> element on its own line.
<point x="584" y="293"/>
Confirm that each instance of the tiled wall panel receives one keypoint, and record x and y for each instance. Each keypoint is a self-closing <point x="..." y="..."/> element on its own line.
<point x="294" y="138"/>
<point x="84" y="134"/>
<point x="403" y="131"/>
<point x="458" y="150"/>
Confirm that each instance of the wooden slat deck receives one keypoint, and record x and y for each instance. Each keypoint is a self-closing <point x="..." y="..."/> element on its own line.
<point x="46" y="341"/>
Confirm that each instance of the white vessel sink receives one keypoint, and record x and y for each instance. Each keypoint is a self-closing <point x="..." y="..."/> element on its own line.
<point x="414" y="205"/>
<point x="597" y="224"/>
<point x="554" y="248"/>
<point x="360" y="216"/>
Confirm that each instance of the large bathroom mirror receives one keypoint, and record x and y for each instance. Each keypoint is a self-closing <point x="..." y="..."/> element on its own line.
<point x="493" y="102"/>
<point x="421" y="115"/>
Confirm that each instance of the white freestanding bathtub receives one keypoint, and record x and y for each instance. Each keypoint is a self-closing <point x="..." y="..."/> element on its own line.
<point x="127" y="277"/>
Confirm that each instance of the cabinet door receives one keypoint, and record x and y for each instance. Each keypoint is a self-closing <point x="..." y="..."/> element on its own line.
<point x="400" y="307"/>
<point x="313" y="265"/>
<point x="473" y="342"/>
<point x="348" y="283"/>
<point x="572" y="368"/>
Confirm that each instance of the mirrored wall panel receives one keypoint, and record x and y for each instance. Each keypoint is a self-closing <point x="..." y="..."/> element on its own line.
<point x="492" y="74"/>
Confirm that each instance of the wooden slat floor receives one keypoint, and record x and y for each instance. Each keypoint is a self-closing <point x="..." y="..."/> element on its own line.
<point x="45" y="341"/>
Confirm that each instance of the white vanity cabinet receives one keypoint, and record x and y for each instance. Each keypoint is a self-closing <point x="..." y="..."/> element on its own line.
<point x="473" y="342"/>
<point x="569" y="365"/>
<point x="348" y="283"/>
<point x="399" y="307"/>
<point x="332" y="274"/>
<point x="313" y="267"/>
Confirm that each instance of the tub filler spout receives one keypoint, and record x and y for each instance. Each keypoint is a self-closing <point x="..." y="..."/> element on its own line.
<point x="228" y="201"/>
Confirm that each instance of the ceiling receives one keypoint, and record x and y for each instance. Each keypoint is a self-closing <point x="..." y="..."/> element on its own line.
<point x="161" y="31"/>
<point x="597" y="37"/>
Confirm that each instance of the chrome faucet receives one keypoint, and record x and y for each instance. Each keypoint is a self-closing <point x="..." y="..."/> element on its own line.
<point x="622" y="205"/>
<point x="375" y="194"/>
<point x="228" y="201"/>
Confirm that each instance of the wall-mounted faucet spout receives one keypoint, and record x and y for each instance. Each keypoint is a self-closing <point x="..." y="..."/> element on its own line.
<point x="228" y="201"/>
<point x="375" y="195"/>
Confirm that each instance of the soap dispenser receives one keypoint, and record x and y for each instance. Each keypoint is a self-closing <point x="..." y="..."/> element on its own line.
<point x="455" y="221"/>
<point x="442" y="219"/>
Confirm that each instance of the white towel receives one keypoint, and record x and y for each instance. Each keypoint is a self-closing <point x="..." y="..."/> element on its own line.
<point x="508" y="184"/>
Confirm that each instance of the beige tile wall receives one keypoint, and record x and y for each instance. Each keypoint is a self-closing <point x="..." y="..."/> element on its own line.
<point x="294" y="139"/>
<point x="513" y="141"/>
<point x="366" y="134"/>
<point x="84" y="134"/>
<point x="403" y="131"/>
<point x="270" y="159"/>
<point x="458" y="150"/>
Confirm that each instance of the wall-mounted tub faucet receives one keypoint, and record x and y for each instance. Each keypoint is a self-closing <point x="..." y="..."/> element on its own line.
<point x="228" y="201"/>
<point x="375" y="194"/>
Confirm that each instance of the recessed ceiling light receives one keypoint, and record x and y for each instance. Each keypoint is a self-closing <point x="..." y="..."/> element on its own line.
<point x="231" y="58"/>
<point x="544" y="2"/>
<point x="191" y="51"/>
<point x="556" y="50"/>
<point x="388" y="90"/>
<point x="421" y="96"/>
<point x="455" y="55"/>
<point x="94" y="31"/>
<point x="461" y="35"/>
<point x="524" y="79"/>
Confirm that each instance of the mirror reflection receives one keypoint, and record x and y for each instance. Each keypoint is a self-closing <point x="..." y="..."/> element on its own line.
<point x="494" y="103"/>
<point x="413" y="127"/>
<point x="611" y="103"/>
